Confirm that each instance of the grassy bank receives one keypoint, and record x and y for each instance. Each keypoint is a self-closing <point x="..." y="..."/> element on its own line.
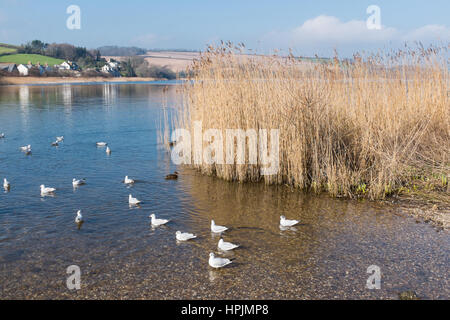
<point x="34" y="58"/>
<point x="375" y="127"/>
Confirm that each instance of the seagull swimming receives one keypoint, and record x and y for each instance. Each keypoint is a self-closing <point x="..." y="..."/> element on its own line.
<point x="26" y="148"/>
<point x="77" y="183"/>
<point x="108" y="150"/>
<point x="45" y="190"/>
<point x="133" y="201"/>
<point x="6" y="184"/>
<point x="60" y="139"/>
<point x="2" y="135"/>
<point x="79" y="217"/>
<point x="218" y="262"/>
<point x="128" y="180"/>
<point x="184" y="236"/>
<point x="157" y="222"/>
<point x="287" y="223"/>
<point x="55" y="144"/>
<point x="101" y="144"/>
<point x="226" y="246"/>
<point x="217" y="229"/>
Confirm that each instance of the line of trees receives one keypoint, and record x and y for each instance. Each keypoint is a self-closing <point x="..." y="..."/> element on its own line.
<point x="84" y="58"/>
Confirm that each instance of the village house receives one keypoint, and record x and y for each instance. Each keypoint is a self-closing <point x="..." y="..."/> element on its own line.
<point x="113" y="64"/>
<point x="23" y="69"/>
<point x="63" y="66"/>
<point x="29" y="68"/>
<point x="41" y="69"/>
<point x="8" y="67"/>
<point x="106" y="68"/>
<point x="67" y="65"/>
<point x="47" y="67"/>
<point x="111" y="67"/>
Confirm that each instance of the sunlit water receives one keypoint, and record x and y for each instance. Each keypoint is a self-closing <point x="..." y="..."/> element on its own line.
<point x="121" y="256"/>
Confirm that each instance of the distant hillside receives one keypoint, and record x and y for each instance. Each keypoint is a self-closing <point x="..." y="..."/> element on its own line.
<point x="25" y="58"/>
<point x="9" y="46"/>
<point x="176" y="61"/>
<point x="7" y="49"/>
<point x="121" y="51"/>
<point x="172" y="50"/>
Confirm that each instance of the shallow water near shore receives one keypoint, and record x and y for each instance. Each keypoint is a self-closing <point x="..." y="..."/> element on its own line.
<point x="121" y="256"/>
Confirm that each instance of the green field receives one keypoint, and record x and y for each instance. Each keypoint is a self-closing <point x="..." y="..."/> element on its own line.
<point x="4" y="50"/>
<point x="34" y="58"/>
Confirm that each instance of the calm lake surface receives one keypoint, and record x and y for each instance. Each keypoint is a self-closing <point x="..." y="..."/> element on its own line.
<point x="121" y="256"/>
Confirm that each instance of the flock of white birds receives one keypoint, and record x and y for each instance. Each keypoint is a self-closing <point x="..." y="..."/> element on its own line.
<point x="215" y="262"/>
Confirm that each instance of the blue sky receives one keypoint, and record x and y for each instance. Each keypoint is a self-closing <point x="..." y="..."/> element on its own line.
<point x="308" y="27"/>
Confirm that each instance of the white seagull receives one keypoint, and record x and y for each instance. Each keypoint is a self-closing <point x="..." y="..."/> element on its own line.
<point x="128" y="180"/>
<point x="287" y="223"/>
<point x="60" y="139"/>
<point x="108" y="150"/>
<point x="6" y="184"/>
<point x="26" y="148"/>
<point x="79" y="217"/>
<point x="157" y="222"/>
<point x="217" y="229"/>
<point x="184" y="236"/>
<point x="226" y="246"/>
<point x="77" y="183"/>
<point x="101" y="144"/>
<point x="218" y="262"/>
<point x="45" y="190"/>
<point x="133" y="201"/>
<point x="2" y="135"/>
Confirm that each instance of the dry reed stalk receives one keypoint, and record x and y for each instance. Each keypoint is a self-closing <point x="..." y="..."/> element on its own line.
<point x="360" y="128"/>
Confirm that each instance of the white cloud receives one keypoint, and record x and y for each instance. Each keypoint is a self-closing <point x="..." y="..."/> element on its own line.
<point x="427" y="33"/>
<point x="324" y="33"/>
<point x="331" y="29"/>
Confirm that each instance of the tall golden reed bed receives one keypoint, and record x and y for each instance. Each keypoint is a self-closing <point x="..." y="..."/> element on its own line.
<point x="365" y="127"/>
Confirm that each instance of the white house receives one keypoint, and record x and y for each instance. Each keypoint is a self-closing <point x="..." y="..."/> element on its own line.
<point x="113" y="64"/>
<point x="112" y="68"/>
<point x="67" y="65"/>
<point x="64" y="66"/>
<point x="23" y="69"/>
<point x="106" y="68"/>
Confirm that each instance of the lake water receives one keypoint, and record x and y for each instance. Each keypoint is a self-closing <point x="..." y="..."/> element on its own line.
<point x="121" y="256"/>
